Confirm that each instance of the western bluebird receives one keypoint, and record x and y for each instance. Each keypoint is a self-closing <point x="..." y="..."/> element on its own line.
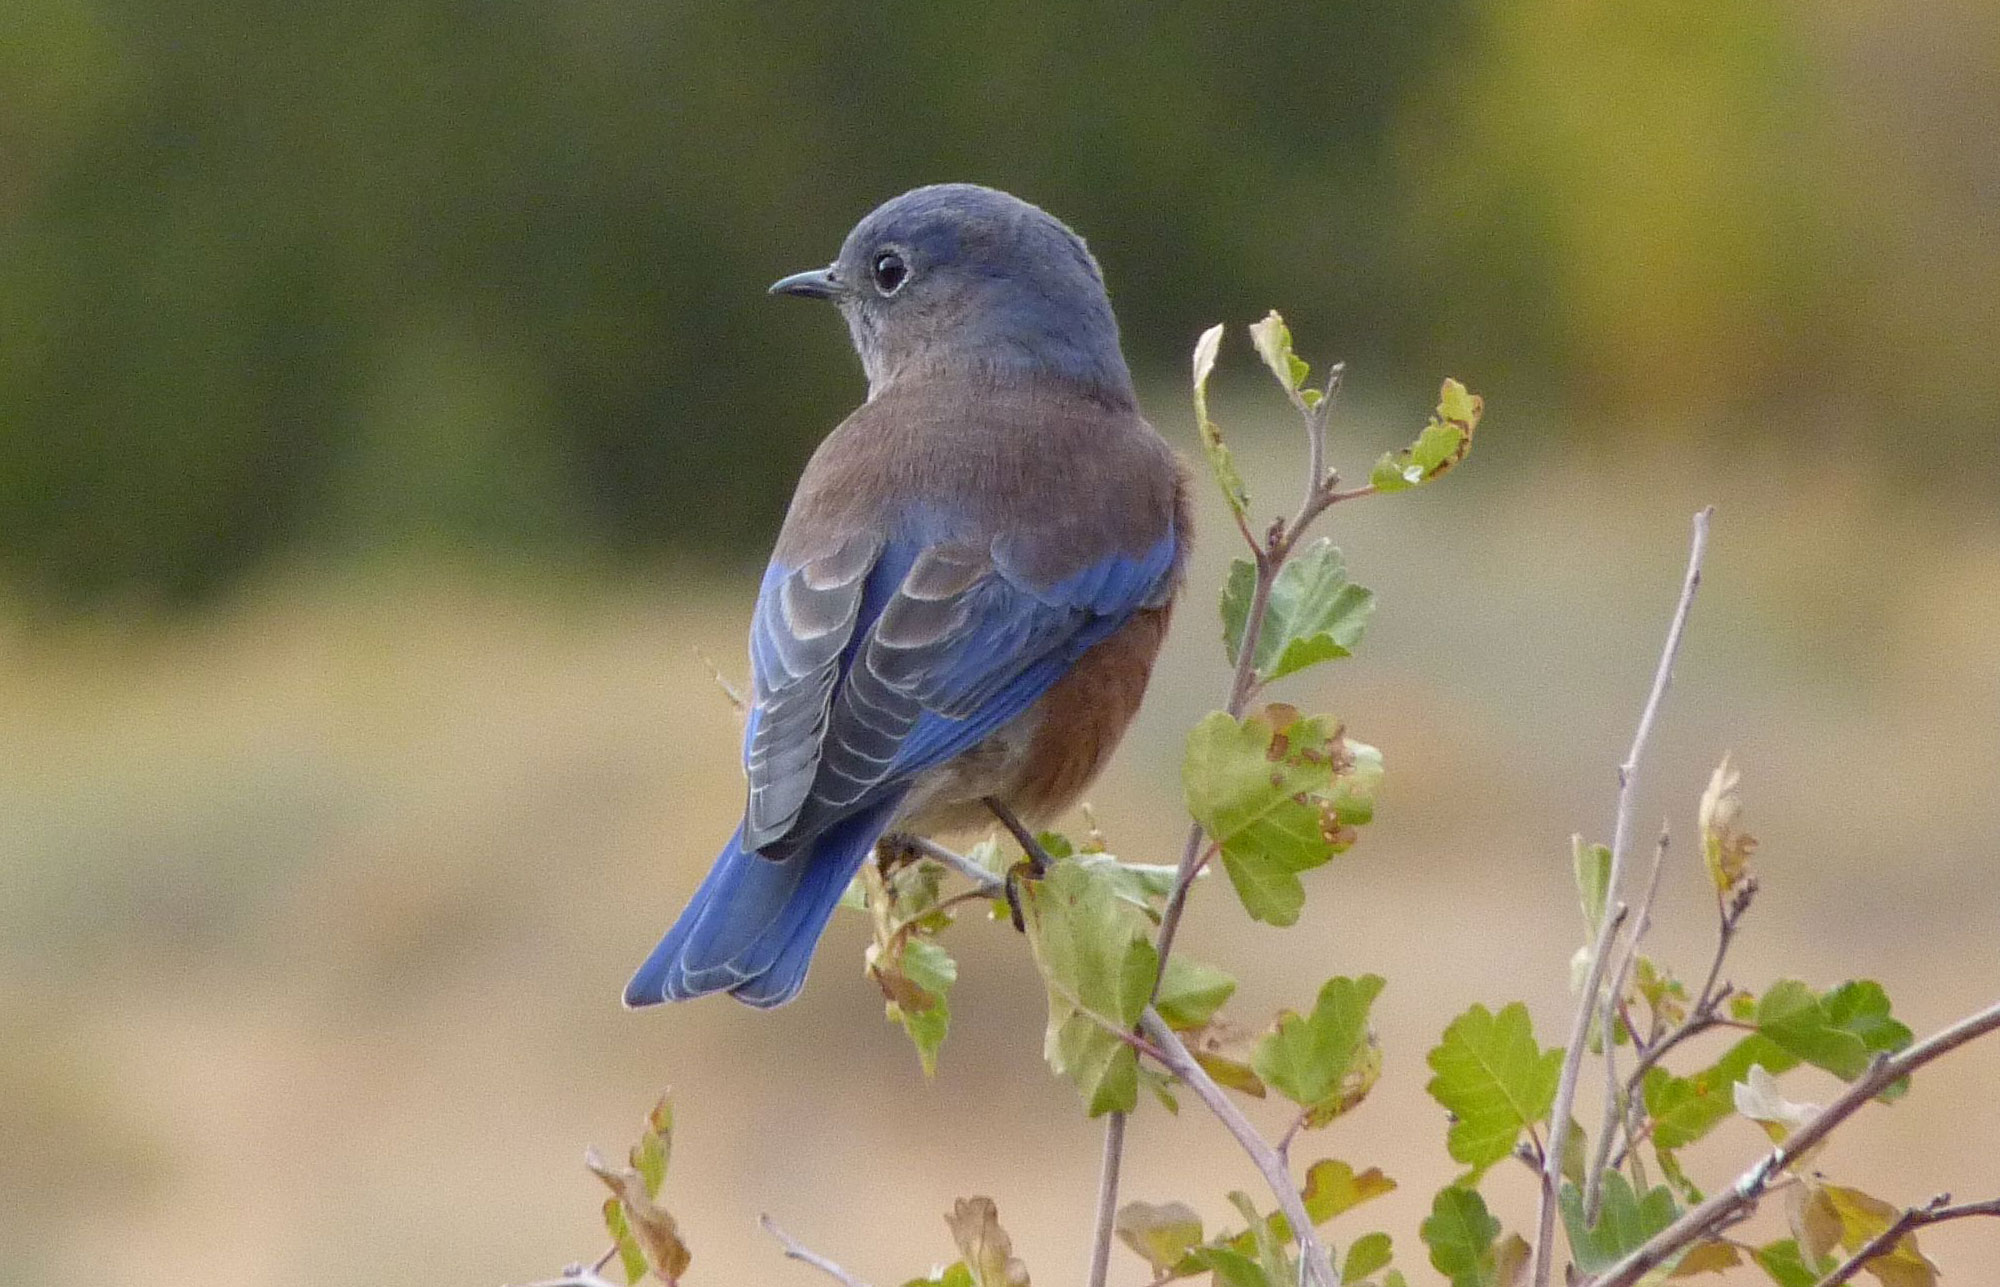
<point x="970" y="588"/>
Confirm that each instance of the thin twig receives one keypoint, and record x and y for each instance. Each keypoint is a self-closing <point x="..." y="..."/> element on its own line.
<point x="1628" y="774"/>
<point x="1737" y="1201"/>
<point x="1936" y="1211"/>
<point x="578" y="1276"/>
<point x="1615" y="1099"/>
<point x="796" y="1250"/>
<point x="989" y="884"/>
<point x="1706" y="1012"/>
<point x="1038" y="857"/>
<point x="1314" y="1266"/>
<point x="1107" y="1199"/>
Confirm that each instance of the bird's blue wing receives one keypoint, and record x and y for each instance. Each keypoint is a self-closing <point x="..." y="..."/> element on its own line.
<point x="866" y="679"/>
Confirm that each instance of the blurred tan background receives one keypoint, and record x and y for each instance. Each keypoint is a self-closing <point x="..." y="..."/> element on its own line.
<point x="390" y="422"/>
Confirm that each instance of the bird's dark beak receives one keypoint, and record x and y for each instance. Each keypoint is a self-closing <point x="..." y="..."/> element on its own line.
<point x="819" y="283"/>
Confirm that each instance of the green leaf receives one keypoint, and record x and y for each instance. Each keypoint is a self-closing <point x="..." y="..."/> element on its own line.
<point x="630" y="1258"/>
<point x="1841" y="1032"/>
<point x="1314" y="613"/>
<point x="1369" y="1252"/>
<point x="1143" y="885"/>
<point x="957" y="1275"/>
<point x="1220" y="463"/>
<point x="1190" y="993"/>
<point x="1592" y="864"/>
<point x="1494" y="1079"/>
<point x="1624" y="1221"/>
<point x="1684" y="1109"/>
<point x="1249" y="784"/>
<point x="926" y="1030"/>
<point x="915" y="974"/>
<point x="1786" y="1264"/>
<point x="1161" y="1235"/>
<point x="1264" y="1237"/>
<point x="1443" y="443"/>
<point x="1273" y="341"/>
<point x="1460" y="1234"/>
<point x="1092" y="948"/>
<point x="1304" y="1059"/>
<point x="650" y="1155"/>
<point x="929" y="966"/>
<point x="1232" y="1268"/>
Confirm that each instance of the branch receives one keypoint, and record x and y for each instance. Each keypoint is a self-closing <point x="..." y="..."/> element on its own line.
<point x="989" y="885"/>
<point x="1314" y="1266"/>
<point x="1738" y="1200"/>
<point x="1628" y="774"/>
<point x="1268" y="556"/>
<point x="1614" y="1098"/>
<point x="1107" y="1199"/>
<point x="1933" y="1212"/>
<point x="796" y="1250"/>
<point x="578" y="1276"/>
<point x="1706" y="1012"/>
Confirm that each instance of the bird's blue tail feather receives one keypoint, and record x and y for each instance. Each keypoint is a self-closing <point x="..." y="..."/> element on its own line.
<point x="751" y="927"/>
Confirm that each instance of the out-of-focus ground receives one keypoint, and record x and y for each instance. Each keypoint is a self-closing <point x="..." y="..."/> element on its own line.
<point x="314" y="911"/>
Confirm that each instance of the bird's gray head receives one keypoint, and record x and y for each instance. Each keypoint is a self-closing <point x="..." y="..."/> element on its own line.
<point x="963" y="279"/>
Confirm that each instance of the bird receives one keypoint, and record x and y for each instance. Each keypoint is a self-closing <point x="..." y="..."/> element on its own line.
<point x="968" y="593"/>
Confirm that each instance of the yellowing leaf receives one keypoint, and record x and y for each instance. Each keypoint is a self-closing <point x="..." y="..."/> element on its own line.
<point x="655" y="1147"/>
<point x="1160" y="1234"/>
<point x="1442" y="444"/>
<point x="1863" y="1217"/>
<point x="1725" y="850"/>
<point x="650" y="1227"/>
<point x="988" y="1251"/>
<point x="1220" y="463"/>
<point x="1706" y="1258"/>
<point x="1273" y="341"/>
<point x="1333" y="1187"/>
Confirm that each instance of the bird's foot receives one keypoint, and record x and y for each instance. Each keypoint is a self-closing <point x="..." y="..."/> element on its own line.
<point x="1038" y="857"/>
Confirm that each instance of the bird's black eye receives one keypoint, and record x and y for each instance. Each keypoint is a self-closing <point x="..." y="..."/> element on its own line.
<point x="890" y="272"/>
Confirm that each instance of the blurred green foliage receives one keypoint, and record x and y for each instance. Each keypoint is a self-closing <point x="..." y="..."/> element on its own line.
<point x="279" y="277"/>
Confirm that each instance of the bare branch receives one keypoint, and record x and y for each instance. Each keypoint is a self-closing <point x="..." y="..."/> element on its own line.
<point x="987" y="883"/>
<point x="1936" y="1211"/>
<point x="796" y="1250"/>
<point x="578" y="1276"/>
<point x="1615" y="1098"/>
<point x="1107" y="1199"/>
<point x="1628" y="774"/>
<point x="1738" y="1200"/>
<point x="1314" y="1266"/>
